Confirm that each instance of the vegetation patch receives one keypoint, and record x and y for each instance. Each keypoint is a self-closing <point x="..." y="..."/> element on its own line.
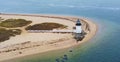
<point x="1" y="19"/>
<point x="6" y="34"/>
<point x="13" y="23"/>
<point x="46" y="26"/>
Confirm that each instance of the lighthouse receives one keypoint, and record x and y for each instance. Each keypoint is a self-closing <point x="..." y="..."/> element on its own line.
<point x="78" y="32"/>
<point x="78" y="27"/>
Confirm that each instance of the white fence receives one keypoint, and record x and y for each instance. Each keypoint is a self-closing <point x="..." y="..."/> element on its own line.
<point x="50" y="31"/>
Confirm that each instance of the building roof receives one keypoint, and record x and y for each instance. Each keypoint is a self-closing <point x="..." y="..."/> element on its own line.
<point x="78" y="23"/>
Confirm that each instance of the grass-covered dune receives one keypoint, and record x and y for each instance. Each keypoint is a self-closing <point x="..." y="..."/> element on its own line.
<point x="6" y="34"/>
<point x="46" y="26"/>
<point x="13" y="23"/>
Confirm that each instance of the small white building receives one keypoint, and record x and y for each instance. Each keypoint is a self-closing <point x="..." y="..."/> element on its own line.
<point x="78" y="27"/>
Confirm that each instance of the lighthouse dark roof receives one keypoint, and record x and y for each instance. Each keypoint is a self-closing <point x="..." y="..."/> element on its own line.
<point x="78" y="23"/>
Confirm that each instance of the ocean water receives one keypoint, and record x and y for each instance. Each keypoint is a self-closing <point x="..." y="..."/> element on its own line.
<point x="104" y="47"/>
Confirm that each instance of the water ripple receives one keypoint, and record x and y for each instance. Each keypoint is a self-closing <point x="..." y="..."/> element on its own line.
<point x="91" y="7"/>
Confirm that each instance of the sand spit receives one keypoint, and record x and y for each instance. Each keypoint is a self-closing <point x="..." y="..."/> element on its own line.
<point x="33" y="43"/>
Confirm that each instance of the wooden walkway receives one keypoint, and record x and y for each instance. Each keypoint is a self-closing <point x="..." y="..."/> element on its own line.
<point x="50" y="31"/>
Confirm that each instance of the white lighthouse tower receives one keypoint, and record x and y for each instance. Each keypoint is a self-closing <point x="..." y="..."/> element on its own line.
<point x="78" y="32"/>
<point x="78" y="27"/>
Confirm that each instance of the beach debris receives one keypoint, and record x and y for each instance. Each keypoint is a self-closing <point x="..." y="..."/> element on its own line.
<point x="20" y="52"/>
<point x="57" y="60"/>
<point x="70" y="51"/>
<point x="62" y="61"/>
<point x="65" y="57"/>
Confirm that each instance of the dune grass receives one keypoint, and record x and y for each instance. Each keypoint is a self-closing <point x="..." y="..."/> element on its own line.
<point x="13" y="23"/>
<point x="46" y="26"/>
<point x="6" y="34"/>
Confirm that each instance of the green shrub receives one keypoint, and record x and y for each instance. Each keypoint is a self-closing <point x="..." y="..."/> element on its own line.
<point x="6" y="34"/>
<point x="13" y="23"/>
<point x="46" y="26"/>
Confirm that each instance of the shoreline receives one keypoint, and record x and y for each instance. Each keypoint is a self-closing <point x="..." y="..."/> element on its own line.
<point x="91" y="26"/>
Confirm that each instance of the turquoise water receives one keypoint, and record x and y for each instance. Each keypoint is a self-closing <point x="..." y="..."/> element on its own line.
<point x="104" y="47"/>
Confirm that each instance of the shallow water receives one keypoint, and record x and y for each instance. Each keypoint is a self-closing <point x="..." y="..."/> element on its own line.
<point x="104" y="47"/>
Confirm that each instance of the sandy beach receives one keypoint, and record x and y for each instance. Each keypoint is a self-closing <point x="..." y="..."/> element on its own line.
<point x="33" y="43"/>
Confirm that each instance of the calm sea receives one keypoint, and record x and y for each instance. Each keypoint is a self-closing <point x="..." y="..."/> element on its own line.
<point x="104" y="47"/>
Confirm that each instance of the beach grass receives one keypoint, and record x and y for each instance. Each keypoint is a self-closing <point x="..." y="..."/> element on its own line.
<point x="46" y="26"/>
<point x="6" y="34"/>
<point x="13" y="23"/>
